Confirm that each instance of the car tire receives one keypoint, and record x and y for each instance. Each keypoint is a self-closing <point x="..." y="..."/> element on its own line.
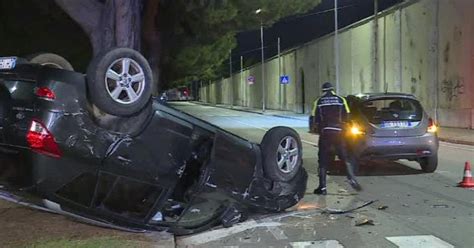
<point x="119" y="81"/>
<point x="429" y="164"/>
<point x="50" y="60"/>
<point x="282" y="153"/>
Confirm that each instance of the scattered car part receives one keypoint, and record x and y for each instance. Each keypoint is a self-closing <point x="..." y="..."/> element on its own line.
<point x="383" y="207"/>
<point x="364" y="221"/>
<point x="338" y="211"/>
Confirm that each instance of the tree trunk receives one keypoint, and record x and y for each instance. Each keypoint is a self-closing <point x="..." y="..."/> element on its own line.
<point x="115" y="23"/>
<point x="152" y="41"/>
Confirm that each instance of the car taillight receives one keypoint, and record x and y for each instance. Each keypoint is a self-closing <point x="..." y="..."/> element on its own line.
<point x="355" y="129"/>
<point x="45" y="93"/>
<point x="41" y="140"/>
<point x="432" y="128"/>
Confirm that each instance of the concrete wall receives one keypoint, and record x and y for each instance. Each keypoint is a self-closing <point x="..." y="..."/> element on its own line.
<point x="424" y="47"/>
<point x="456" y="62"/>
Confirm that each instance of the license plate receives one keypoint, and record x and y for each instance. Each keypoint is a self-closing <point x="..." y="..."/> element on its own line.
<point x="395" y="124"/>
<point x="7" y="63"/>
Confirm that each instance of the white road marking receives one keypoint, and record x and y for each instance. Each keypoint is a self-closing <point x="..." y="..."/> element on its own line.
<point x="422" y="241"/>
<point x="317" y="244"/>
<point x="217" y="234"/>
<point x="277" y="232"/>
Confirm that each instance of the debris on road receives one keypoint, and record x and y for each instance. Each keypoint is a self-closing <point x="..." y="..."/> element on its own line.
<point x="364" y="221"/>
<point x="338" y="211"/>
<point x="332" y="217"/>
<point x="440" y="206"/>
<point x="342" y="191"/>
<point x="382" y="207"/>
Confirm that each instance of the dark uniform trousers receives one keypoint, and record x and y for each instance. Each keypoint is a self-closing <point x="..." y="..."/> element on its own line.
<point x="331" y="142"/>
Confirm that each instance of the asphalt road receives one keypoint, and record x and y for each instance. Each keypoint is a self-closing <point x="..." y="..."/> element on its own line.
<point x="411" y="208"/>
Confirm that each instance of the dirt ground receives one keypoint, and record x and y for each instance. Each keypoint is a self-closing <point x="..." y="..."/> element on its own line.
<point x="25" y="227"/>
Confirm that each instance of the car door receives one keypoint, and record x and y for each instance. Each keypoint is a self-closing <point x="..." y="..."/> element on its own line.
<point x="139" y="173"/>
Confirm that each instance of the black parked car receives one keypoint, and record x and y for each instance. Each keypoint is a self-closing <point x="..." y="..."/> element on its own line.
<point x="100" y="148"/>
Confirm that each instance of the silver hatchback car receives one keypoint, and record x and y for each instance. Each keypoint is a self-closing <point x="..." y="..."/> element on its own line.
<point x="392" y="126"/>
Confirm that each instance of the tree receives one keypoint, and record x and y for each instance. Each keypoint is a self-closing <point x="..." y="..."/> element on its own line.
<point x="199" y="39"/>
<point x="181" y="38"/>
<point x="28" y="27"/>
<point x="107" y="23"/>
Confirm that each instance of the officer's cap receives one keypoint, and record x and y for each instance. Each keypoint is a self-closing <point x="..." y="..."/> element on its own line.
<point x="327" y="86"/>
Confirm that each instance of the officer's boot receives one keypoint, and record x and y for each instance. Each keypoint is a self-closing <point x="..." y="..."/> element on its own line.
<point x="321" y="190"/>
<point x="351" y="176"/>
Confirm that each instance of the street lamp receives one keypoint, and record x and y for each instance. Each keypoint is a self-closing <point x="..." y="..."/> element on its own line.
<point x="336" y="46"/>
<point x="258" y="11"/>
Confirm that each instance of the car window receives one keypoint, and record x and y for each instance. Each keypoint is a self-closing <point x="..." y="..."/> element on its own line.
<point x="392" y="109"/>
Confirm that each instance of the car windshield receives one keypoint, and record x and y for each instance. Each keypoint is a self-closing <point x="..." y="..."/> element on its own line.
<point x="391" y="109"/>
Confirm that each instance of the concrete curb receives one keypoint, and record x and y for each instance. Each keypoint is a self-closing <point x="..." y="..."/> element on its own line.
<point x="444" y="139"/>
<point x="456" y="141"/>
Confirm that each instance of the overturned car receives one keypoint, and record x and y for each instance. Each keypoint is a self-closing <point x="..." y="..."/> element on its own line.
<point x="98" y="147"/>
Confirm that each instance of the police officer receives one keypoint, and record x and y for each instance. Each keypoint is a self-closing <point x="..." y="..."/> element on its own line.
<point x="330" y="112"/>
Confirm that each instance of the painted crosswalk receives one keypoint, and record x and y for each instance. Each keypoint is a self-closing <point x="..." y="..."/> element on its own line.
<point x="419" y="241"/>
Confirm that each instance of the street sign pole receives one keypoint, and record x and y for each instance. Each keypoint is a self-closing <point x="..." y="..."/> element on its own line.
<point x="336" y="46"/>
<point x="263" y="67"/>
<point x="279" y="72"/>
<point x="231" y="89"/>
<point x="242" y="90"/>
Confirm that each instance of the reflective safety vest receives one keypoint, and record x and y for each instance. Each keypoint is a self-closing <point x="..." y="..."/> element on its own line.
<point x="330" y="111"/>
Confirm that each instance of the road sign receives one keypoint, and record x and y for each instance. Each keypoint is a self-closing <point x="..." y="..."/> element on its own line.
<point x="285" y="79"/>
<point x="251" y="80"/>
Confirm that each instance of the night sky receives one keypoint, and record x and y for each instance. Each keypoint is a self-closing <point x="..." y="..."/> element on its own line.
<point x="297" y="30"/>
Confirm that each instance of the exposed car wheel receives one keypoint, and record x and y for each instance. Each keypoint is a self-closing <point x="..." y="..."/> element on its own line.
<point x="119" y="81"/>
<point x="282" y="153"/>
<point x="429" y="164"/>
<point x="50" y="60"/>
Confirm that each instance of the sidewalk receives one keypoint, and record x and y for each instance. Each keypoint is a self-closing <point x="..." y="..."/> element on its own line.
<point x="447" y="134"/>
